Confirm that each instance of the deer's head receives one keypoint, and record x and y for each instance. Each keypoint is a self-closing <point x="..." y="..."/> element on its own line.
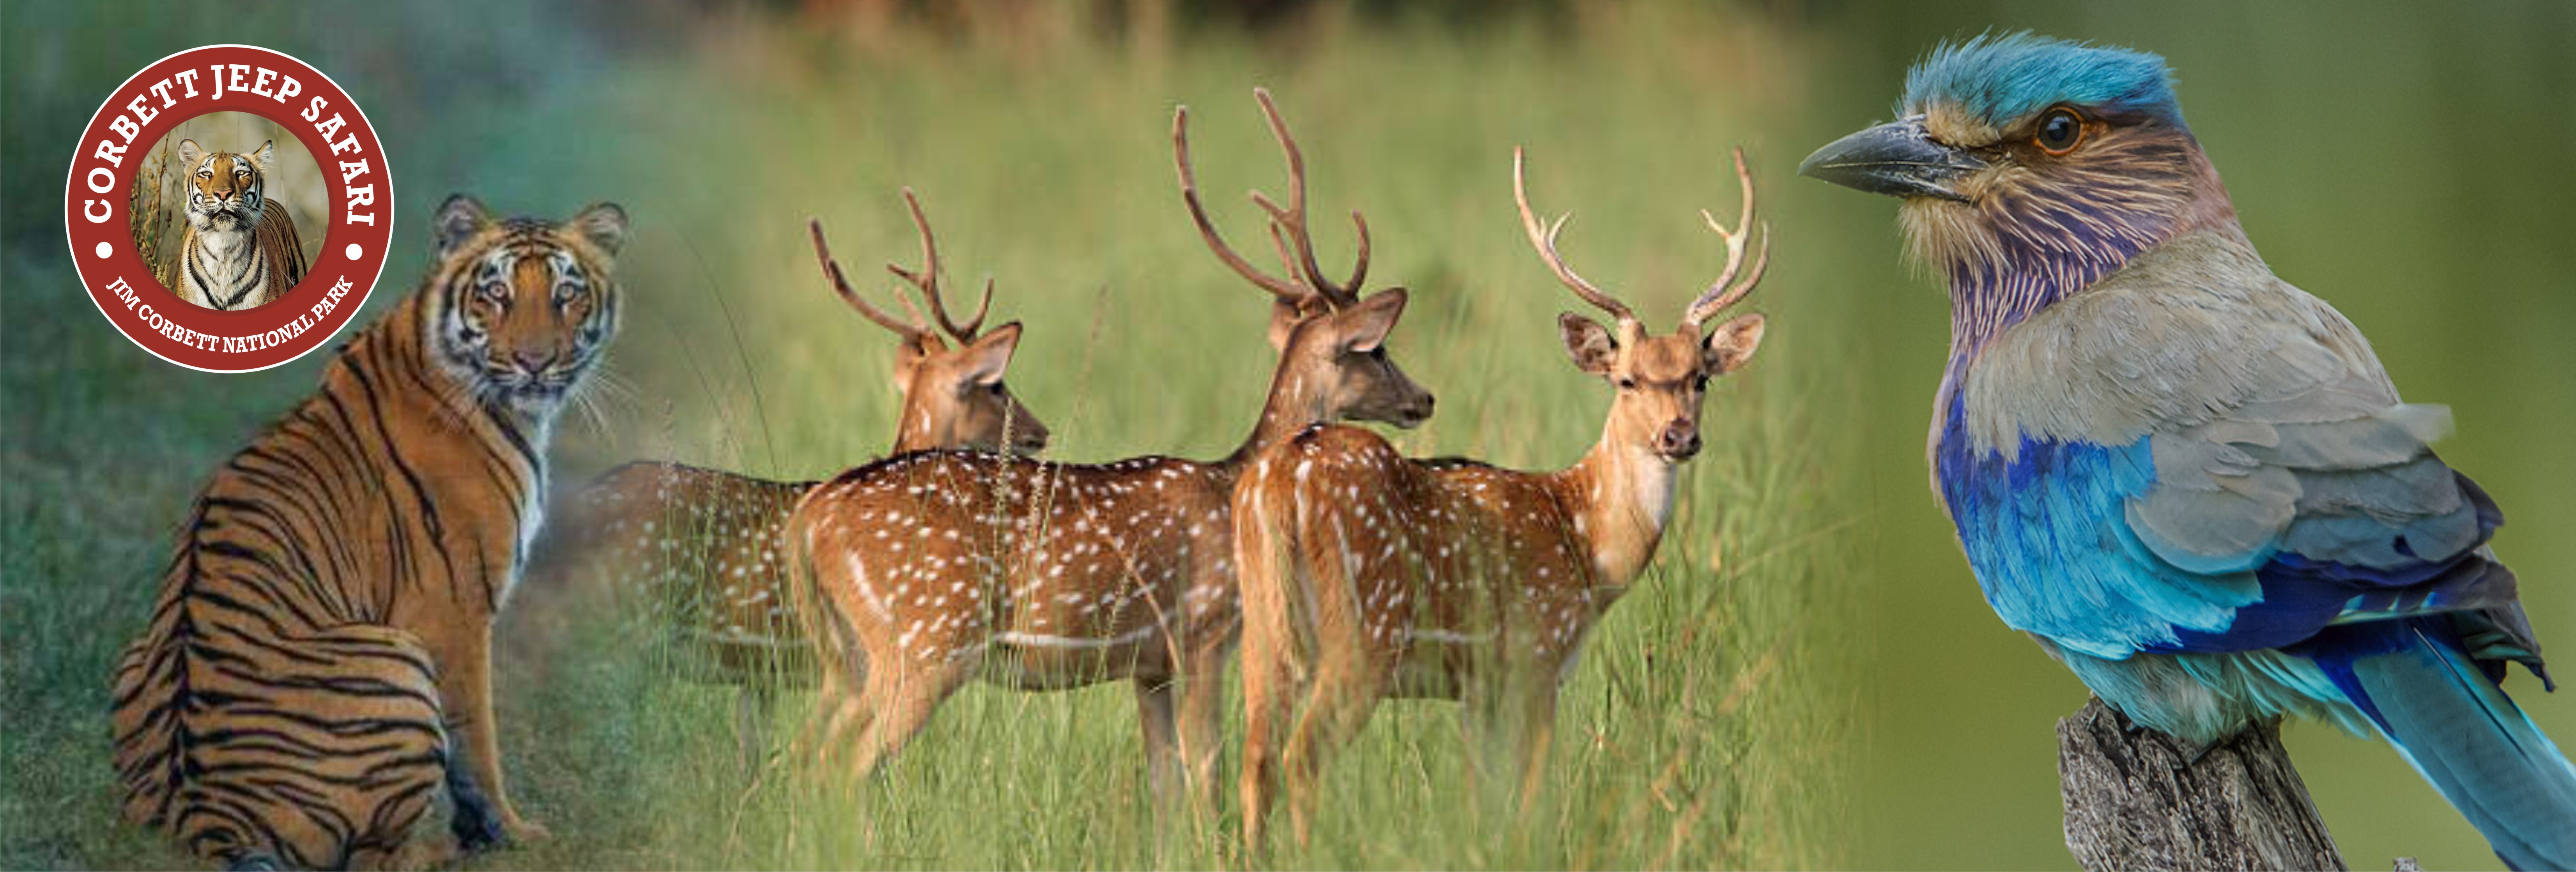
<point x="950" y="376"/>
<point x="1331" y="337"/>
<point x="1661" y="379"/>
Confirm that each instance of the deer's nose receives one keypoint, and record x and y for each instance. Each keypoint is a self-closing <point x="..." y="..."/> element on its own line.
<point x="1679" y="441"/>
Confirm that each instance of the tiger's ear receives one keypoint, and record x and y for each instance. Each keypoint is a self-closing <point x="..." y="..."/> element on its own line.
<point x="458" y="220"/>
<point x="190" y="154"/>
<point x="604" y="224"/>
<point x="266" y="155"/>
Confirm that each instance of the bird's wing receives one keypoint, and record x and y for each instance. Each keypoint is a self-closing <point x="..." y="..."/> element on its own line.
<point x="2194" y="458"/>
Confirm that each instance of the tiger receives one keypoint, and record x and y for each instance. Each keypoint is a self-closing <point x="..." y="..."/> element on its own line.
<point x="240" y="250"/>
<point x="317" y="665"/>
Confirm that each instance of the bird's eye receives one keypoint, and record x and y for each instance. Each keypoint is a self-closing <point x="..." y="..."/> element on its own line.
<point x="2060" y="132"/>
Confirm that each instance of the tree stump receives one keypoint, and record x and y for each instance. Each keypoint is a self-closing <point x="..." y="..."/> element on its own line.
<point x="2139" y="799"/>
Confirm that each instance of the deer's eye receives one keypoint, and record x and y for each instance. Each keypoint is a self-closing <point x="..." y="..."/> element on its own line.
<point x="1627" y="383"/>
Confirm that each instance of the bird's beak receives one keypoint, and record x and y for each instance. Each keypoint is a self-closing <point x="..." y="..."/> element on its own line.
<point x="1897" y="159"/>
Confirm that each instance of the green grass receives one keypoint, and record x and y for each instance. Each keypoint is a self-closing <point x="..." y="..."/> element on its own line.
<point x="1709" y="726"/>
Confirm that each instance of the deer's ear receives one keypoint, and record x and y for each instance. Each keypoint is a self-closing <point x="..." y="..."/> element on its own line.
<point x="1284" y="318"/>
<point x="1733" y="344"/>
<point x="1589" y="343"/>
<point x="982" y="362"/>
<point x="1370" y="321"/>
<point x="909" y="356"/>
<point x="190" y="153"/>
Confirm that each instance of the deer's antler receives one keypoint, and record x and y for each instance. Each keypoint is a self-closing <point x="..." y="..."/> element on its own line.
<point x="910" y="331"/>
<point x="1288" y="223"/>
<point x="1542" y="236"/>
<point x="927" y="278"/>
<point x="1719" y="294"/>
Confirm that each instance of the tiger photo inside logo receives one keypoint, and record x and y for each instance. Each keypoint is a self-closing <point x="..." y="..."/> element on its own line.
<point x="217" y="206"/>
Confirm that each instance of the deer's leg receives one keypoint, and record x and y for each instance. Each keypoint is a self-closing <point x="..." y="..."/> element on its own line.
<point x="840" y="655"/>
<point x="837" y="704"/>
<point x="898" y="702"/>
<point x="1534" y="732"/>
<point x="1270" y="689"/>
<point x="751" y="712"/>
<point x="836" y="710"/>
<point x="1154" y="716"/>
<point x="1201" y="718"/>
<point x="1508" y="714"/>
<point x="1344" y="691"/>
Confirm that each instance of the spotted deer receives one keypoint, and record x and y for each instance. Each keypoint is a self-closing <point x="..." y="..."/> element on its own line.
<point x="932" y="569"/>
<point x="1367" y="575"/>
<point x="705" y="547"/>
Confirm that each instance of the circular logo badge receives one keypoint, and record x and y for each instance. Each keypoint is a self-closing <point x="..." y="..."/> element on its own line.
<point x="229" y="208"/>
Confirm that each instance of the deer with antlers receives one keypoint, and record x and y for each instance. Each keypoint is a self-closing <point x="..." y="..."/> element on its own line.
<point x="706" y="547"/>
<point x="1367" y="575"/>
<point x="932" y="569"/>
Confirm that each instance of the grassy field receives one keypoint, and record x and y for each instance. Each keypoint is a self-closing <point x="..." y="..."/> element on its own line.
<point x="1807" y="678"/>
<point x="1711" y="724"/>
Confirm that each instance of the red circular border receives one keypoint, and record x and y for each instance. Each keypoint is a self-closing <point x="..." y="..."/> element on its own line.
<point x="329" y="268"/>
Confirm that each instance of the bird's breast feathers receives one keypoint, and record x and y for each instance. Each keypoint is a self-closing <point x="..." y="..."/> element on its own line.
<point x="2130" y="468"/>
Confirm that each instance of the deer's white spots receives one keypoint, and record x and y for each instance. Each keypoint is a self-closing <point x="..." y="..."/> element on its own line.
<point x="1040" y="640"/>
<point x="858" y="575"/>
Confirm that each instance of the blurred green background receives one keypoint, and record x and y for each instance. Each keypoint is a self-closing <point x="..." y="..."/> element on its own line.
<point x="1810" y="657"/>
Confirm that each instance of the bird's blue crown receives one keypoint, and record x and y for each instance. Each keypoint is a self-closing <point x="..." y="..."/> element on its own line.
<point x="2003" y="79"/>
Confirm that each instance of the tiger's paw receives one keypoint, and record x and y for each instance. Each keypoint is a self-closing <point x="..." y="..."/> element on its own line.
<point x="476" y="826"/>
<point x="523" y="833"/>
<point x="477" y="833"/>
<point x="428" y="852"/>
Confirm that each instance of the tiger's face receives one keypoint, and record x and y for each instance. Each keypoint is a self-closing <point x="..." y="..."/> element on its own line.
<point x="525" y="307"/>
<point x="225" y="190"/>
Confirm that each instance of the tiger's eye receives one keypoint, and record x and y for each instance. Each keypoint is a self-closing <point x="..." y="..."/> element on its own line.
<point x="2060" y="132"/>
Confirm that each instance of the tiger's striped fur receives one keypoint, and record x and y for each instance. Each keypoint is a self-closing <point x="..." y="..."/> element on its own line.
<point x="240" y="250"/>
<point x="317" y="666"/>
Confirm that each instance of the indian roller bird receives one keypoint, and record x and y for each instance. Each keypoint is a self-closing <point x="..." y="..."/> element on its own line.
<point x="2191" y="482"/>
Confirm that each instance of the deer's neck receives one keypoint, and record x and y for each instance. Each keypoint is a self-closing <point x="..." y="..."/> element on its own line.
<point x="1621" y="496"/>
<point x="913" y="432"/>
<point x="1291" y="406"/>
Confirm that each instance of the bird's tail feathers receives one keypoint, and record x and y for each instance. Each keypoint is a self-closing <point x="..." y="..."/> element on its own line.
<point x="2440" y="708"/>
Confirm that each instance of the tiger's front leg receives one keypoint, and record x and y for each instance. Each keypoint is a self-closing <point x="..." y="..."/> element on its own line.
<point x="465" y="683"/>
